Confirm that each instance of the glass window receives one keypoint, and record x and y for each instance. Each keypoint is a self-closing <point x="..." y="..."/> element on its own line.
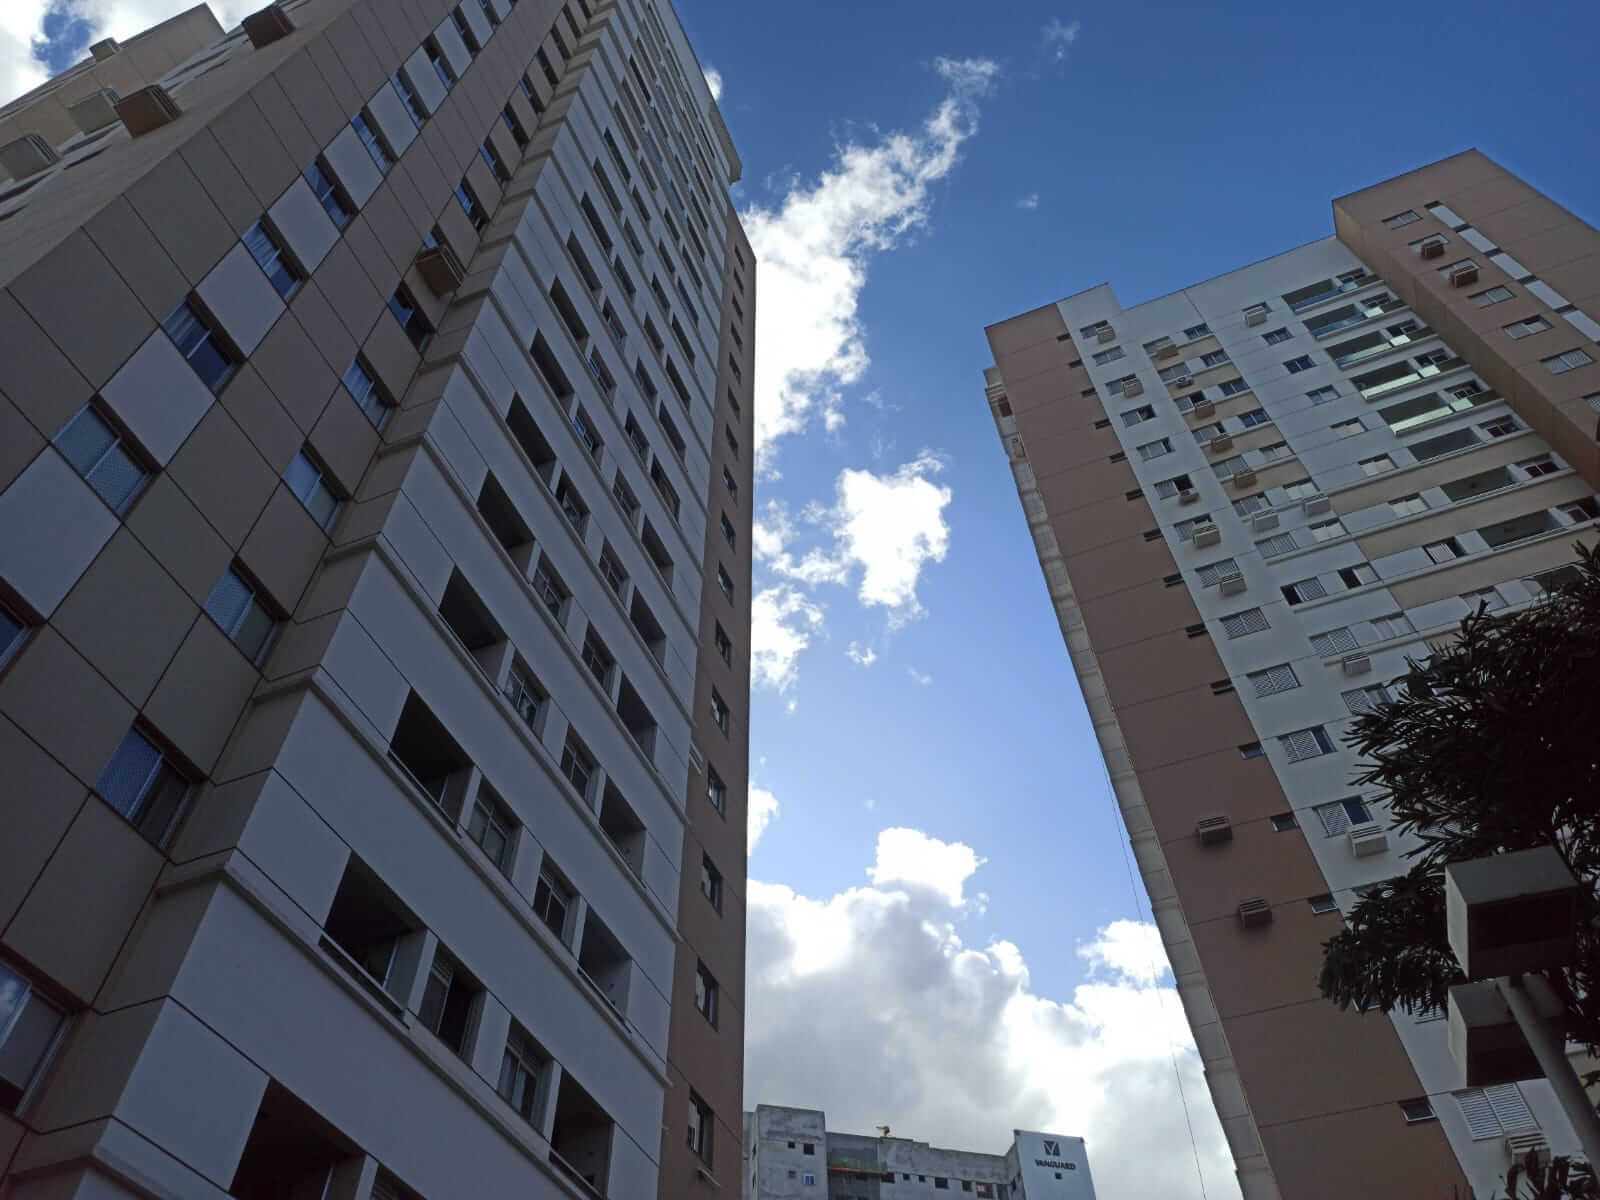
<point x="363" y="387"/>
<point x="339" y="210"/>
<point x="30" y="1027"/>
<point x="143" y="787"/>
<point x="378" y="149"/>
<point x="551" y="901"/>
<point x="264" y="248"/>
<point x="409" y="98"/>
<point x="491" y="826"/>
<point x="198" y="342"/>
<point x="305" y="479"/>
<point x="468" y="199"/>
<point x="1295" y="365"/>
<point x="237" y="609"/>
<point x="102" y="456"/>
<point x="416" y="326"/>
<point x="519" y="1072"/>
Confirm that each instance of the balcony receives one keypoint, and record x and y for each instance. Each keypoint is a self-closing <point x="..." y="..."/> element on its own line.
<point x="580" y="1142"/>
<point x="434" y="761"/>
<point x="623" y="827"/>
<point x="1328" y="289"/>
<point x="605" y="965"/>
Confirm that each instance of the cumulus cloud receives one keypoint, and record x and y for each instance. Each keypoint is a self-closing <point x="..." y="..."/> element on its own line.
<point x="862" y="656"/>
<point x="1030" y="201"/>
<point x="714" y="82"/>
<point x="763" y="810"/>
<point x="878" y="982"/>
<point x="815" y="246"/>
<point x="1058" y="36"/>
<point x="782" y="623"/>
<point x="920" y="678"/>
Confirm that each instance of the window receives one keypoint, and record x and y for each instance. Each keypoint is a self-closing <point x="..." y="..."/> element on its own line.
<point x="1214" y="358"/>
<point x="1133" y="416"/>
<point x="549" y="588"/>
<point x="1253" y="503"/>
<point x="1348" y="428"/>
<point x="265" y="249"/>
<point x="1212" y="573"/>
<point x="1322" y="395"/>
<point x="1377" y="464"/>
<point x="1518" y="330"/>
<point x="339" y="210"/>
<point x="705" y="994"/>
<point x="1089" y="332"/>
<point x="363" y="387"/>
<point x="810" y="1180"/>
<point x="417" y="328"/>
<point x="700" y="1129"/>
<point x="1251" y="750"/>
<point x="716" y="790"/>
<point x="1323" y="904"/>
<point x="408" y="97"/>
<point x="519" y="1072"/>
<point x="1197" y="331"/>
<point x="306" y="480"/>
<point x="1278" y="543"/>
<point x="1256" y="416"/>
<point x="1323" y="530"/>
<point x="711" y="882"/>
<point x="237" y="609"/>
<point x="496" y="164"/>
<point x="1299" y="489"/>
<point x="1581" y="511"/>
<point x="1155" y="449"/>
<point x="1108" y="356"/>
<point x="1535" y="467"/>
<point x="525" y="696"/>
<point x="1570" y="360"/>
<point x="103" y="457"/>
<point x="1305" y="589"/>
<point x="1400" y="219"/>
<point x="30" y="1027"/>
<point x="1168" y="488"/>
<point x="552" y="901"/>
<point x="377" y="149"/>
<point x="719" y="711"/>
<point x="1251" y="620"/>
<point x="1392" y="626"/>
<point x="728" y="482"/>
<point x="1273" y="336"/>
<point x="468" y="38"/>
<point x="518" y="133"/>
<point x="1367" y="699"/>
<point x="1283" y="822"/>
<point x="468" y="199"/>
<point x="1405" y="506"/>
<point x="1416" y="1110"/>
<point x="1232" y="387"/>
<point x="1441" y="552"/>
<point x="1488" y="598"/>
<point x="1306" y="743"/>
<point x="1275" y="451"/>
<point x="447" y="1002"/>
<point x="1274" y="680"/>
<point x="724" y="644"/>
<point x="1501" y="427"/>
<point x="1490" y="296"/>
<point x="572" y="506"/>
<point x="198" y="342"/>
<point x="1185" y="529"/>
<point x="1204" y="433"/>
<point x="598" y="659"/>
<point x="1357" y="576"/>
<point x="1493" y="1111"/>
<point x="1257" y="310"/>
<point x="144" y="787"/>
<point x="733" y="442"/>
<point x="492" y="827"/>
<point x="725" y="582"/>
<point x="727" y="530"/>
<point x="1295" y="365"/>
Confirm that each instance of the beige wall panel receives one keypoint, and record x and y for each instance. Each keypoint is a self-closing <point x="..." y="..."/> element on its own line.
<point x="1352" y="1153"/>
<point x="41" y="801"/>
<point x="1415" y="479"/>
<point x="1139" y="612"/>
<point x="1182" y="726"/>
<point x="1463" y="518"/>
<point x="1476" y="573"/>
<point x="1213" y="880"/>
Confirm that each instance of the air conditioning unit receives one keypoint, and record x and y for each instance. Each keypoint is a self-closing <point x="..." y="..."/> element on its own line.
<point x="1183" y="381"/>
<point x="1244" y="478"/>
<point x="1262" y="522"/>
<point x="1462" y="276"/>
<point x="1223" y="441"/>
<point x="1520" y="1145"/>
<point x="1431" y="249"/>
<point x="1358" y="663"/>
<point x="1257" y="316"/>
<point x="149" y="108"/>
<point x="440" y="269"/>
<point x="1207" y="534"/>
<point x="94" y="111"/>
<point x="1254" y="913"/>
<point x="28" y="155"/>
<point x="1107" y="334"/>
<point x="1133" y="388"/>
<point x="267" y="25"/>
<point x="1204" y="408"/>
<point x="1368" y="838"/>
<point x="1316" y="504"/>
<point x="1231" y="584"/>
<point x="1188" y="496"/>
<point x="104" y="49"/>
<point x="1214" y="831"/>
<point x="1165" y="350"/>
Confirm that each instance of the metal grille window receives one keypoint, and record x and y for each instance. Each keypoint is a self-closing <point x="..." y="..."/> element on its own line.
<point x="1229" y="466"/>
<point x="1274" y="680"/>
<point x="1253" y="503"/>
<point x="102" y="456"/>
<point x="1108" y="356"/>
<point x="1518" y="330"/>
<point x="1166" y="489"/>
<point x="1156" y="449"/>
<point x="1204" y="433"/>
<point x="1303" y="590"/>
<point x="1493" y="1111"/>
<point x="1367" y="699"/>
<point x="1490" y="296"/>
<point x="239" y="613"/>
<point x="1280" y="543"/>
<point x="1322" y="531"/>
<point x="1338" y="816"/>
<point x="1133" y="416"/>
<point x="1306" y="743"/>
<point x="146" y="789"/>
<point x="1571" y="360"/>
<point x="1212" y="572"/>
<point x="1334" y="641"/>
<point x="1251" y="620"/>
<point x="1185" y="529"/>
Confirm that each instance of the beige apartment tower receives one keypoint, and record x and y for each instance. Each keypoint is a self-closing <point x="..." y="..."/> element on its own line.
<point x="1252" y="500"/>
<point x="375" y="473"/>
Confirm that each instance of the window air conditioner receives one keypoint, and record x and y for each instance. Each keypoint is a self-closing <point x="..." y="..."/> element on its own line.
<point x="1370" y="838"/>
<point x="1183" y="380"/>
<point x="1431" y="249"/>
<point x="148" y="108"/>
<point x="267" y="25"/>
<point x="1107" y="334"/>
<point x="1205" y="408"/>
<point x="1214" y="831"/>
<point x="1188" y="496"/>
<point x="1531" y="1141"/>
<point x="28" y="155"/>
<point x="1262" y="522"/>
<point x="1133" y="388"/>
<point x="1257" y="317"/>
<point x="1254" y="913"/>
<point x="1316" y="504"/>
<point x="1165" y="350"/>
<point x="94" y="111"/>
<point x="1207" y="534"/>
<point x="1231" y="584"/>
<point x="1244" y="478"/>
<point x="1462" y="276"/>
<point x="1223" y="441"/>
<point x="1358" y="663"/>
<point x="440" y="269"/>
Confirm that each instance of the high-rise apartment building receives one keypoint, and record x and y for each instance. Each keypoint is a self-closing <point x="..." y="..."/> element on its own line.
<point x="375" y="473"/>
<point x="790" y="1154"/>
<point x="1253" y="500"/>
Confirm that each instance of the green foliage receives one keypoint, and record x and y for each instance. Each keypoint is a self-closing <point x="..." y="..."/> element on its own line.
<point x="1562" y="1179"/>
<point x="1493" y="744"/>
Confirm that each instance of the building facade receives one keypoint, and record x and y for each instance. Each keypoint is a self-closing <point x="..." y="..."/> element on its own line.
<point x="790" y="1154"/>
<point x="375" y="462"/>
<point x="1252" y="501"/>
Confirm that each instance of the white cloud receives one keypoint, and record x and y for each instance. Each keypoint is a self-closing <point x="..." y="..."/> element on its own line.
<point x="862" y="656"/>
<point x="919" y="677"/>
<point x="816" y="243"/>
<point x="714" y="82"/>
<point x="782" y="623"/>
<point x="1030" y="201"/>
<point x="1127" y="948"/>
<point x="877" y="982"/>
<point x="763" y="810"/>
<point x="1058" y="37"/>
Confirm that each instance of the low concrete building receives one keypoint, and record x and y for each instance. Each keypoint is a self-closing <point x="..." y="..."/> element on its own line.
<point x="789" y="1153"/>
